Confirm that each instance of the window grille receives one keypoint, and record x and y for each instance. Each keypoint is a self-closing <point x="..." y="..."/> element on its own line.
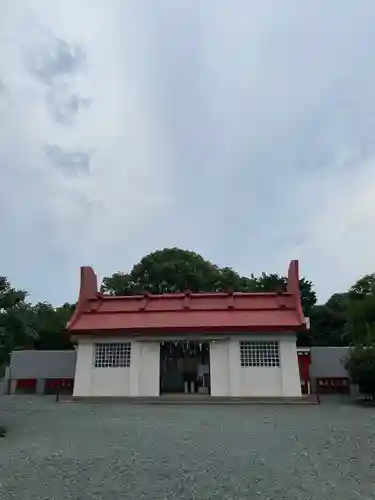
<point x="112" y="355"/>
<point x="260" y="353"/>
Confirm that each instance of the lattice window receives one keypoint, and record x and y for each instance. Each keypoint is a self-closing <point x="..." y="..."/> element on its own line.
<point x="260" y="353"/>
<point x="112" y="355"/>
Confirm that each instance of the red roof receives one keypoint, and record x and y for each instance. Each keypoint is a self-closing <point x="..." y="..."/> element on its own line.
<point x="186" y="312"/>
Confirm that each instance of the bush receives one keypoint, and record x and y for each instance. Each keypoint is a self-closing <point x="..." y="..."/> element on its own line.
<point x="361" y="368"/>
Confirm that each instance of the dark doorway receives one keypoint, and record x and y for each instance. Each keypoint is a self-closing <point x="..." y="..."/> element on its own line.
<point x="184" y="367"/>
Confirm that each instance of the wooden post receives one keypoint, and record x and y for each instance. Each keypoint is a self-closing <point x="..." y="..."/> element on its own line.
<point x="58" y="391"/>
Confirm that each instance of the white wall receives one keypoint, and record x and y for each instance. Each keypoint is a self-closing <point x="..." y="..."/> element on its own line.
<point x="110" y="382"/>
<point x="228" y="378"/>
<point x="149" y="374"/>
<point x="291" y="382"/>
<point x="84" y="364"/>
<point x="140" y="379"/>
<point x="259" y="381"/>
<point x="219" y="368"/>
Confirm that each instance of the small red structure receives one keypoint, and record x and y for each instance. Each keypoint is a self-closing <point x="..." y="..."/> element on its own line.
<point x="61" y="385"/>
<point x="26" y="386"/>
<point x="304" y="362"/>
<point x="333" y="385"/>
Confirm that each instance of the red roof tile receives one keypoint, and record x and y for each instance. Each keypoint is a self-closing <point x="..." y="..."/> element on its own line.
<point x="190" y="312"/>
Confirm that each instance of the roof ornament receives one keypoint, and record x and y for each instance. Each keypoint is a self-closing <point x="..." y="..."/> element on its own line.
<point x="145" y="299"/>
<point x="187" y="299"/>
<point x="230" y="302"/>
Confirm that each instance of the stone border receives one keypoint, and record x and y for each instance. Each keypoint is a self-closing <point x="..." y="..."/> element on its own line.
<point x="194" y="400"/>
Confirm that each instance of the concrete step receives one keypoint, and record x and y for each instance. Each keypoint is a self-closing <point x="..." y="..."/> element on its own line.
<point x="195" y="399"/>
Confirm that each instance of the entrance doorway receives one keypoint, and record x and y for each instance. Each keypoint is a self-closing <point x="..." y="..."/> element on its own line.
<point x="185" y="367"/>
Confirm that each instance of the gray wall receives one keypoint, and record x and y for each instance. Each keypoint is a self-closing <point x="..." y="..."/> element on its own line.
<point x="42" y="364"/>
<point x="328" y="362"/>
<point x="325" y="362"/>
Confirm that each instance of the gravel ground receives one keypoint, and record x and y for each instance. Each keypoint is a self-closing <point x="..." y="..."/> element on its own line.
<point x="65" y="451"/>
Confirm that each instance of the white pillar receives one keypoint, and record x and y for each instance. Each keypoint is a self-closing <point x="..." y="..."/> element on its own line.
<point x="219" y="368"/>
<point x="135" y="368"/>
<point x="291" y="382"/>
<point x="234" y="368"/>
<point x="149" y="369"/>
<point x="84" y="366"/>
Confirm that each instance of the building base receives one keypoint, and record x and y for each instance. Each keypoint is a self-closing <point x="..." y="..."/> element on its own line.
<point x="195" y="399"/>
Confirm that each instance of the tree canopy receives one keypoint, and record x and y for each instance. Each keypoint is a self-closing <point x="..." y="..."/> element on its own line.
<point x="176" y="270"/>
<point x="360" y="332"/>
<point x="23" y="325"/>
<point x="16" y="320"/>
<point x="360" y="325"/>
<point x="328" y="321"/>
<point x="361" y="367"/>
<point x="346" y="318"/>
<point x="51" y="322"/>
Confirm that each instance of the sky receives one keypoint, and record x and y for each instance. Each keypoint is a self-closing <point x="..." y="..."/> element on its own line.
<point x="242" y="130"/>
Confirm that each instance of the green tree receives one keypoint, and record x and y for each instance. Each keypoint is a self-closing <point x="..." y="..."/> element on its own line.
<point x="120" y="284"/>
<point x="17" y="327"/>
<point x="361" y="367"/>
<point x="176" y="270"/>
<point x="361" y="311"/>
<point x="364" y="287"/>
<point x="51" y="322"/>
<point x="361" y="321"/>
<point x="168" y="270"/>
<point x="329" y="322"/>
<point x="361" y="331"/>
<point x="272" y="282"/>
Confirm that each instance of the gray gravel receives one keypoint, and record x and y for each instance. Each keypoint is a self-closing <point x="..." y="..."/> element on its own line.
<point x="71" y="451"/>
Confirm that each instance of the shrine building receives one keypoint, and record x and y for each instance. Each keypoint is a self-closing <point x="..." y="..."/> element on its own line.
<point x="218" y="344"/>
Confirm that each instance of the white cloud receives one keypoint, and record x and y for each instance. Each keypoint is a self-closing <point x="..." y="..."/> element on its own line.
<point x="242" y="130"/>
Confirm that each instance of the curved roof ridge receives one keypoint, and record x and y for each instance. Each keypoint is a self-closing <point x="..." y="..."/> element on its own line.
<point x="195" y="311"/>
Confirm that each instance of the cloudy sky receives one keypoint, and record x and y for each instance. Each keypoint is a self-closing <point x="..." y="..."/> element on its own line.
<point x="240" y="129"/>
